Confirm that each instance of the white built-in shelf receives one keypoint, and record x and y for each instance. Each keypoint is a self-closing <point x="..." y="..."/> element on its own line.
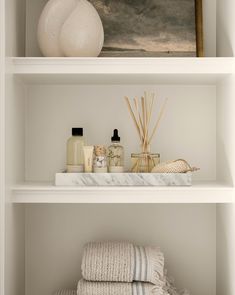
<point x="121" y="70"/>
<point x="205" y="192"/>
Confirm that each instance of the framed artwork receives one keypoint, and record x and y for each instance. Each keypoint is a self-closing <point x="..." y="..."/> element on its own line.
<point x="151" y="28"/>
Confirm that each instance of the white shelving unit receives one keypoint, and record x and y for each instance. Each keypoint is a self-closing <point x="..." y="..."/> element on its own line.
<point x="199" y="193"/>
<point x="48" y="66"/>
<point x="122" y="70"/>
<point x="43" y="228"/>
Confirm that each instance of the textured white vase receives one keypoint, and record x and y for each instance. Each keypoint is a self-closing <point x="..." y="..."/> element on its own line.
<point x="50" y="23"/>
<point x="70" y="28"/>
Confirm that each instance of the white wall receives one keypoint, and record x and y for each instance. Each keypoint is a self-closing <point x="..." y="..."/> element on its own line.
<point x="2" y="145"/>
<point x="226" y="171"/>
<point x="15" y="130"/>
<point x="14" y="43"/>
<point x="225" y="28"/>
<point x="55" y="235"/>
<point x="15" y="250"/>
<point x="226" y="130"/>
<point x="225" y="249"/>
<point x="15" y="27"/>
<point x="209" y="27"/>
<point x="15" y="149"/>
<point x="187" y="130"/>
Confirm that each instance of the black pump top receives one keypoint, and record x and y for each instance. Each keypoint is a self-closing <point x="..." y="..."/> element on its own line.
<point x="77" y="131"/>
<point x="115" y="136"/>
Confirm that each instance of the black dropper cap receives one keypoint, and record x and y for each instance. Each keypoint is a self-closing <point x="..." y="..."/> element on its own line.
<point x="77" y="131"/>
<point x="115" y="136"/>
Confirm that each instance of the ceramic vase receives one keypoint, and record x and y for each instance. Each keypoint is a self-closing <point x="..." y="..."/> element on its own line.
<point x="70" y="28"/>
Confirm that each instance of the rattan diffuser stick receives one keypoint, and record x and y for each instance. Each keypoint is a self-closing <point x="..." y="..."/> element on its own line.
<point x="142" y="118"/>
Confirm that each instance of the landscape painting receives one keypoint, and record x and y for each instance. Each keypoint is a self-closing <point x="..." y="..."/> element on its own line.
<point x="148" y="28"/>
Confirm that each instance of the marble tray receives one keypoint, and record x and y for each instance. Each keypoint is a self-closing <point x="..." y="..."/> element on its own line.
<point x="123" y="179"/>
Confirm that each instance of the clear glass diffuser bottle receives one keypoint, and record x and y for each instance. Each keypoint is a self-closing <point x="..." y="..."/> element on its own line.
<point x="116" y="154"/>
<point x="144" y="162"/>
<point x="75" y="157"/>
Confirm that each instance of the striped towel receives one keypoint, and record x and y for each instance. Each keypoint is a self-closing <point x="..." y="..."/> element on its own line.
<point x="114" y="288"/>
<point x="137" y="289"/>
<point x="122" y="262"/>
<point x="65" y="292"/>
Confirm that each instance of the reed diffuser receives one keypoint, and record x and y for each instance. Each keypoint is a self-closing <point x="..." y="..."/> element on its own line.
<point x="141" y="111"/>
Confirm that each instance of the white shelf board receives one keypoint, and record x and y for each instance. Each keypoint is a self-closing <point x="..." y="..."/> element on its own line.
<point x="121" y="70"/>
<point x="205" y="192"/>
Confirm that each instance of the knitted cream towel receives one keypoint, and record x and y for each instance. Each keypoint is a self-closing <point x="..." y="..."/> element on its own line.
<point x="113" y="288"/>
<point x="65" y="292"/>
<point x="122" y="262"/>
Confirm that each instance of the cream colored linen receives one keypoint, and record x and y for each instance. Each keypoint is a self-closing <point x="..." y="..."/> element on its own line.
<point x="114" y="288"/>
<point x="122" y="262"/>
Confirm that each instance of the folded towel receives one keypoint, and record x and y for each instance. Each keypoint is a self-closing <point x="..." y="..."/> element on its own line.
<point x="170" y="289"/>
<point x="114" y="288"/>
<point x="122" y="262"/>
<point x="65" y="292"/>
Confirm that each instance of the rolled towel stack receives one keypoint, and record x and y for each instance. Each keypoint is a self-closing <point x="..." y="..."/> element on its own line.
<point x="121" y="268"/>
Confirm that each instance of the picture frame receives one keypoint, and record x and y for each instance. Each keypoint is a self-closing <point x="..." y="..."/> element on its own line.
<point x="151" y="28"/>
<point x="199" y="28"/>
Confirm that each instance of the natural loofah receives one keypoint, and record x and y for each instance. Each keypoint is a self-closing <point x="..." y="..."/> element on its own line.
<point x="177" y="166"/>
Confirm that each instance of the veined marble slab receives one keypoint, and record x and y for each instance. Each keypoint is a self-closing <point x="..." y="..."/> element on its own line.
<point x="123" y="179"/>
